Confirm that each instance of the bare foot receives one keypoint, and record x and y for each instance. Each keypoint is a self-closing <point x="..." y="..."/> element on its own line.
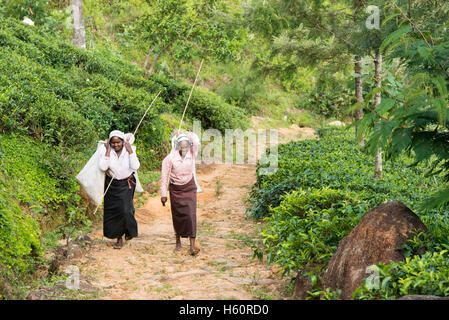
<point x="194" y="251"/>
<point x="119" y="244"/>
<point x="178" y="247"/>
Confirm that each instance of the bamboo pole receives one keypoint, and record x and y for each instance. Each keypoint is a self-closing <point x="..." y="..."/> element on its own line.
<point x="182" y="118"/>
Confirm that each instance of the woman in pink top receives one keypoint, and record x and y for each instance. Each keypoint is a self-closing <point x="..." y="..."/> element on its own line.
<point x="180" y="164"/>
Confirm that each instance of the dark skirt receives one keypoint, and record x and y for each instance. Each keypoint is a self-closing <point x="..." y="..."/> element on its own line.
<point x="183" y="208"/>
<point x="118" y="218"/>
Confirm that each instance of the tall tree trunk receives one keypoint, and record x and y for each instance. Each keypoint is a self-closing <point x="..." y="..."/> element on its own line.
<point x="79" y="32"/>
<point x="377" y="100"/>
<point x="358" y="95"/>
<point x="358" y="114"/>
<point x="153" y="63"/>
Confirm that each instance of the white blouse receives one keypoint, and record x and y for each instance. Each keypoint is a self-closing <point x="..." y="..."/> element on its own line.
<point x="121" y="168"/>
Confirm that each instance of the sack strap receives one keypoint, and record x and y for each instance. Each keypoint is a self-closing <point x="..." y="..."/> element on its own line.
<point x="129" y="179"/>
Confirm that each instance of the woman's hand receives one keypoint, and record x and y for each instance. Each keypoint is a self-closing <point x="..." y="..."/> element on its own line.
<point x="128" y="146"/>
<point x="163" y="200"/>
<point x="108" y="149"/>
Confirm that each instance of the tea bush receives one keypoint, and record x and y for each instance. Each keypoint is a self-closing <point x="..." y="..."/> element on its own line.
<point x="426" y="274"/>
<point x="21" y="182"/>
<point x="305" y="229"/>
<point x="64" y="95"/>
<point x="336" y="162"/>
<point x="35" y="197"/>
<point x="209" y="108"/>
<point x="78" y="79"/>
<point x="322" y="189"/>
<point x="19" y="237"/>
<point x="25" y="172"/>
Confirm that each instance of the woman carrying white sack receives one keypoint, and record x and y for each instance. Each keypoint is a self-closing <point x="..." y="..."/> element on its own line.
<point x="119" y="160"/>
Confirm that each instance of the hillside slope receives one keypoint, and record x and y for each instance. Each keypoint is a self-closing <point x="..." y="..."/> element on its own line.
<point x="56" y="101"/>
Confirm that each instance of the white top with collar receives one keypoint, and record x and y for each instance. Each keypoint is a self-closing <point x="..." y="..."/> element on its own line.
<point x="121" y="168"/>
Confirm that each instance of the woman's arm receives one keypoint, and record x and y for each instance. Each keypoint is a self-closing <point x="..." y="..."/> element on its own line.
<point x="164" y="175"/>
<point x="134" y="163"/>
<point x="104" y="157"/>
<point x="195" y="143"/>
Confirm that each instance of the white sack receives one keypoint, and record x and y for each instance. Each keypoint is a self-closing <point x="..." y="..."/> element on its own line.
<point x="91" y="178"/>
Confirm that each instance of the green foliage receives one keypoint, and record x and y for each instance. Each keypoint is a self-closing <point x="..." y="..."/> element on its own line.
<point x="413" y="116"/>
<point x="19" y="9"/>
<point x="329" y="104"/>
<point x="42" y="179"/>
<point x="48" y="89"/>
<point x="423" y="275"/>
<point x="51" y="88"/>
<point x="38" y="192"/>
<point x="191" y="29"/>
<point x="337" y="162"/>
<point x="308" y="47"/>
<point x="243" y="88"/>
<point x="19" y="237"/>
<point x="304" y="230"/>
<point x="306" y="119"/>
<point x="321" y="190"/>
<point x="125" y="28"/>
<point x="30" y="182"/>
<point x="207" y="107"/>
<point x="327" y="294"/>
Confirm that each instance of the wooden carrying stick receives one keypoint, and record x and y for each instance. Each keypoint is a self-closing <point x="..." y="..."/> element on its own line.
<point x="182" y="118"/>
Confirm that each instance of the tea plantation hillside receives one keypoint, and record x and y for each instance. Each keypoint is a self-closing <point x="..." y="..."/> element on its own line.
<point x="56" y="102"/>
<point x="322" y="190"/>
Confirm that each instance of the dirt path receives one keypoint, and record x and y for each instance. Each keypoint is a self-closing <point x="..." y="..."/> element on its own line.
<point x="147" y="267"/>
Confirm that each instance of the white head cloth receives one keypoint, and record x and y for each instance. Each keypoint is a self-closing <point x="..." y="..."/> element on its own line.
<point x="182" y="137"/>
<point x="174" y="141"/>
<point x="117" y="133"/>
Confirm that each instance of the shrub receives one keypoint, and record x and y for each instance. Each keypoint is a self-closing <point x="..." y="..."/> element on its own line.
<point x="422" y="275"/>
<point x="205" y="106"/>
<point x="335" y="161"/>
<point x="328" y="102"/>
<point x="19" y="237"/>
<point x="51" y="88"/>
<point x="25" y="172"/>
<point x="304" y="230"/>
